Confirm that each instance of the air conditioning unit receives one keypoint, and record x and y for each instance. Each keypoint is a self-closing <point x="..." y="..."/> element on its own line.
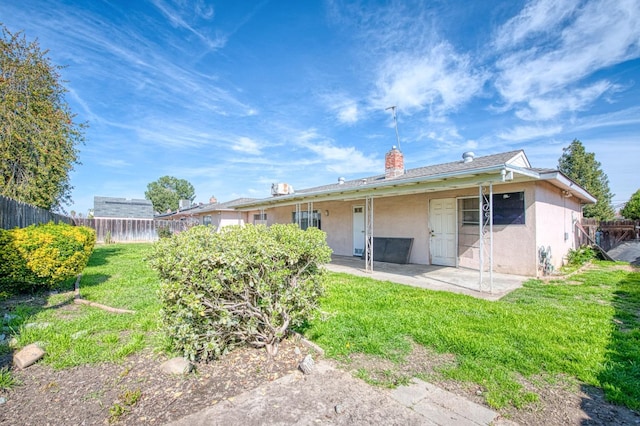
<point x="184" y="204"/>
<point x="281" y="189"/>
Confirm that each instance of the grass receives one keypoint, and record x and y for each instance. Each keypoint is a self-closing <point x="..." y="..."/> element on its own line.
<point x="72" y="334"/>
<point x="588" y="331"/>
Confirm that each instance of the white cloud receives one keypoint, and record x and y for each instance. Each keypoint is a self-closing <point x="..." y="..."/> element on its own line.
<point x="523" y="133"/>
<point x="536" y="18"/>
<point x="599" y="35"/>
<point x="439" y="80"/>
<point x="336" y="159"/>
<point x="246" y="145"/>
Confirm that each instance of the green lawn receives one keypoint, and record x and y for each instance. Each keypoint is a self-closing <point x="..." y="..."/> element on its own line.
<point x="72" y="334"/>
<point x="586" y="329"/>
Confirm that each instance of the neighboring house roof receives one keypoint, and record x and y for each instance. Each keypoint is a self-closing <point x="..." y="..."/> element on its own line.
<point x="508" y="166"/>
<point x="122" y="208"/>
<point x="203" y="209"/>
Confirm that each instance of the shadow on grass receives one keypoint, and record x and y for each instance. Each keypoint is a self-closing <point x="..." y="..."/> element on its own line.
<point x="102" y="253"/>
<point x="620" y="376"/>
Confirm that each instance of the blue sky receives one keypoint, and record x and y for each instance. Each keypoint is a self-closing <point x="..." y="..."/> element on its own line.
<point x="236" y="95"/>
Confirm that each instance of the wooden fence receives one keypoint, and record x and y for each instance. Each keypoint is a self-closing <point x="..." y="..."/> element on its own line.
<point x="131" y="230"/>
<point x="610" y="233"/>
<point x="15" y="214"/>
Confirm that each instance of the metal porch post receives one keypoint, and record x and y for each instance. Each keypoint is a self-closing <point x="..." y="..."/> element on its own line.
<point x="368" y="252"/>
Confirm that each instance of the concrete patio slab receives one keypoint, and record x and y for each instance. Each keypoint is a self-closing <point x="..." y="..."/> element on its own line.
<point x="442" y="278"/>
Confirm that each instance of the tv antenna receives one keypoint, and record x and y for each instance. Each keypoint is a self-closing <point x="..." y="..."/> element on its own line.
<point x="395" y="122"/>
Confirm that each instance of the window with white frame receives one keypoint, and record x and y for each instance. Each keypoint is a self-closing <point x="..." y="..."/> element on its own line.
<point x="508" y="209"/>
<point x="304" y="219"/>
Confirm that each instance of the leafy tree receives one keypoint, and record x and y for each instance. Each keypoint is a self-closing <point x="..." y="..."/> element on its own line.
<point x="38" y="136"/>
<point x="582" y="167"/>
<point x="166" y="193"/>
<point x="631" y="210"/>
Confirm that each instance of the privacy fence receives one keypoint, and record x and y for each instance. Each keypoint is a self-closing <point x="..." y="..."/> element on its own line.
<point x="131" y="230"/>
<point x="608" y="234"/>
<point x="15" y="214"/>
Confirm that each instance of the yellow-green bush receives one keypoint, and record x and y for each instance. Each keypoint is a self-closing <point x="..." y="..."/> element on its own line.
<point x="43" y="255"/>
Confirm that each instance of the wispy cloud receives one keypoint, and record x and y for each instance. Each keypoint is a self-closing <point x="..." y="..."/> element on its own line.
<point x="594" y="36"/>
<point x="176" y="17"/>
<point x="524" y="133"/>
<point x="439" y="81"/>
<point x="247" y="146"/>
<point x="337" y="159"/>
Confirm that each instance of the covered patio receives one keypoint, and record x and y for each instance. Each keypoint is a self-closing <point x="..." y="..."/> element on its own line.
<point x="442" y="278"/>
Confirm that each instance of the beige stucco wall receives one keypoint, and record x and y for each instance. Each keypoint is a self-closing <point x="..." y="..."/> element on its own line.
<point x="555" y="217"/>
<point x="515" y="247"/>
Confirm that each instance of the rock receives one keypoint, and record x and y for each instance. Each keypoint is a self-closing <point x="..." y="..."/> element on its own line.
<point x="3" y="400"/>
<point x="38" y="325"/>
<point x="9" y="317"/>
<point x="306" y="365"/>
<point x="177" y="365"/>
<point x="338" y="409"/>
<point x="27" y="356"/>
<point x="79" y="334"/>
<point x="297" y="351"/>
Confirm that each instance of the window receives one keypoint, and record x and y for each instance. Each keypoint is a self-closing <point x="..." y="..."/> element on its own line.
<point x="260" y="218"/>
<point x="470" y="211"/>
<point x="206" y="220"/>
<point x="304" y="219"/>
<point x="508" y="209"/>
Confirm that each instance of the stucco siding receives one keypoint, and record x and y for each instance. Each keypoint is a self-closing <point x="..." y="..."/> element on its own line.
<point x="555" y="216"/>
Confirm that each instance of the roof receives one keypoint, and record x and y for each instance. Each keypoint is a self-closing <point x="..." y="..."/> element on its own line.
<point x="122" y="208"/>
<point x="511" y="165"/>
<point x="199" y="209"/>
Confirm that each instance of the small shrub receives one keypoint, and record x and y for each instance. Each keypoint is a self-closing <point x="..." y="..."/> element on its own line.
<point x="240" y="285"/>
<point x="44" y="255"/>
<point x="580" y="256"/>
<point x="164" y="231"/>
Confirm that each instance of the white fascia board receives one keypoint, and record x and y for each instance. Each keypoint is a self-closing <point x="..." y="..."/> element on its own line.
<point x="416" y="184"/>
<point x="563" y="182"/>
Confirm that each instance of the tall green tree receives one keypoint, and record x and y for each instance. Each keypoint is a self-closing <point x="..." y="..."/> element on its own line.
<point x="166" y="193"/>
<point x="581" y="166"/>
<point x="38" y="135"/>
<point x="631" y="210"/>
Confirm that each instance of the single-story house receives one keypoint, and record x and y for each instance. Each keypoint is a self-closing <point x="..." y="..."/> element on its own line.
<point x="493" y="213"/>
<point x="212" y="213"/>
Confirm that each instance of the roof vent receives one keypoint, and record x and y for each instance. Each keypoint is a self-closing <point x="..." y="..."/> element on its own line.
<point x="340" y="180"/>
<point x="468" y="156"/>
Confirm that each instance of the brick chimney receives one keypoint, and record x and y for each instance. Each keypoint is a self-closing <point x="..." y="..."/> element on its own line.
<point x="393" y="163"/>
<point x="213" y="200"/>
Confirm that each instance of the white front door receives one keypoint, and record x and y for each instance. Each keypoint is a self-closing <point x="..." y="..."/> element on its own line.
<point x="358" y="230"/>
<point x="442" y="219"/>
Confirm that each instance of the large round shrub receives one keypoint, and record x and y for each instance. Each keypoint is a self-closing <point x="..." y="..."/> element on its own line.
<point x="43" y="255"/>
<point x="238" y="285"/>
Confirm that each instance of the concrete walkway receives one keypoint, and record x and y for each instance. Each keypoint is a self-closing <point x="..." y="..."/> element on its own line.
<point x="443" y="278"/>
<point x="330" y="396"/>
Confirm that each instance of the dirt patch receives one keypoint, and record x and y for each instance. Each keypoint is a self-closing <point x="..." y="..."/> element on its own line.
<point x="135" y="392"/>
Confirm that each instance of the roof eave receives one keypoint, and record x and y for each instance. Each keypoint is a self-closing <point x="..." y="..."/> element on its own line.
<point x="563" y="182"/>
<point x="371" y="188"/>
